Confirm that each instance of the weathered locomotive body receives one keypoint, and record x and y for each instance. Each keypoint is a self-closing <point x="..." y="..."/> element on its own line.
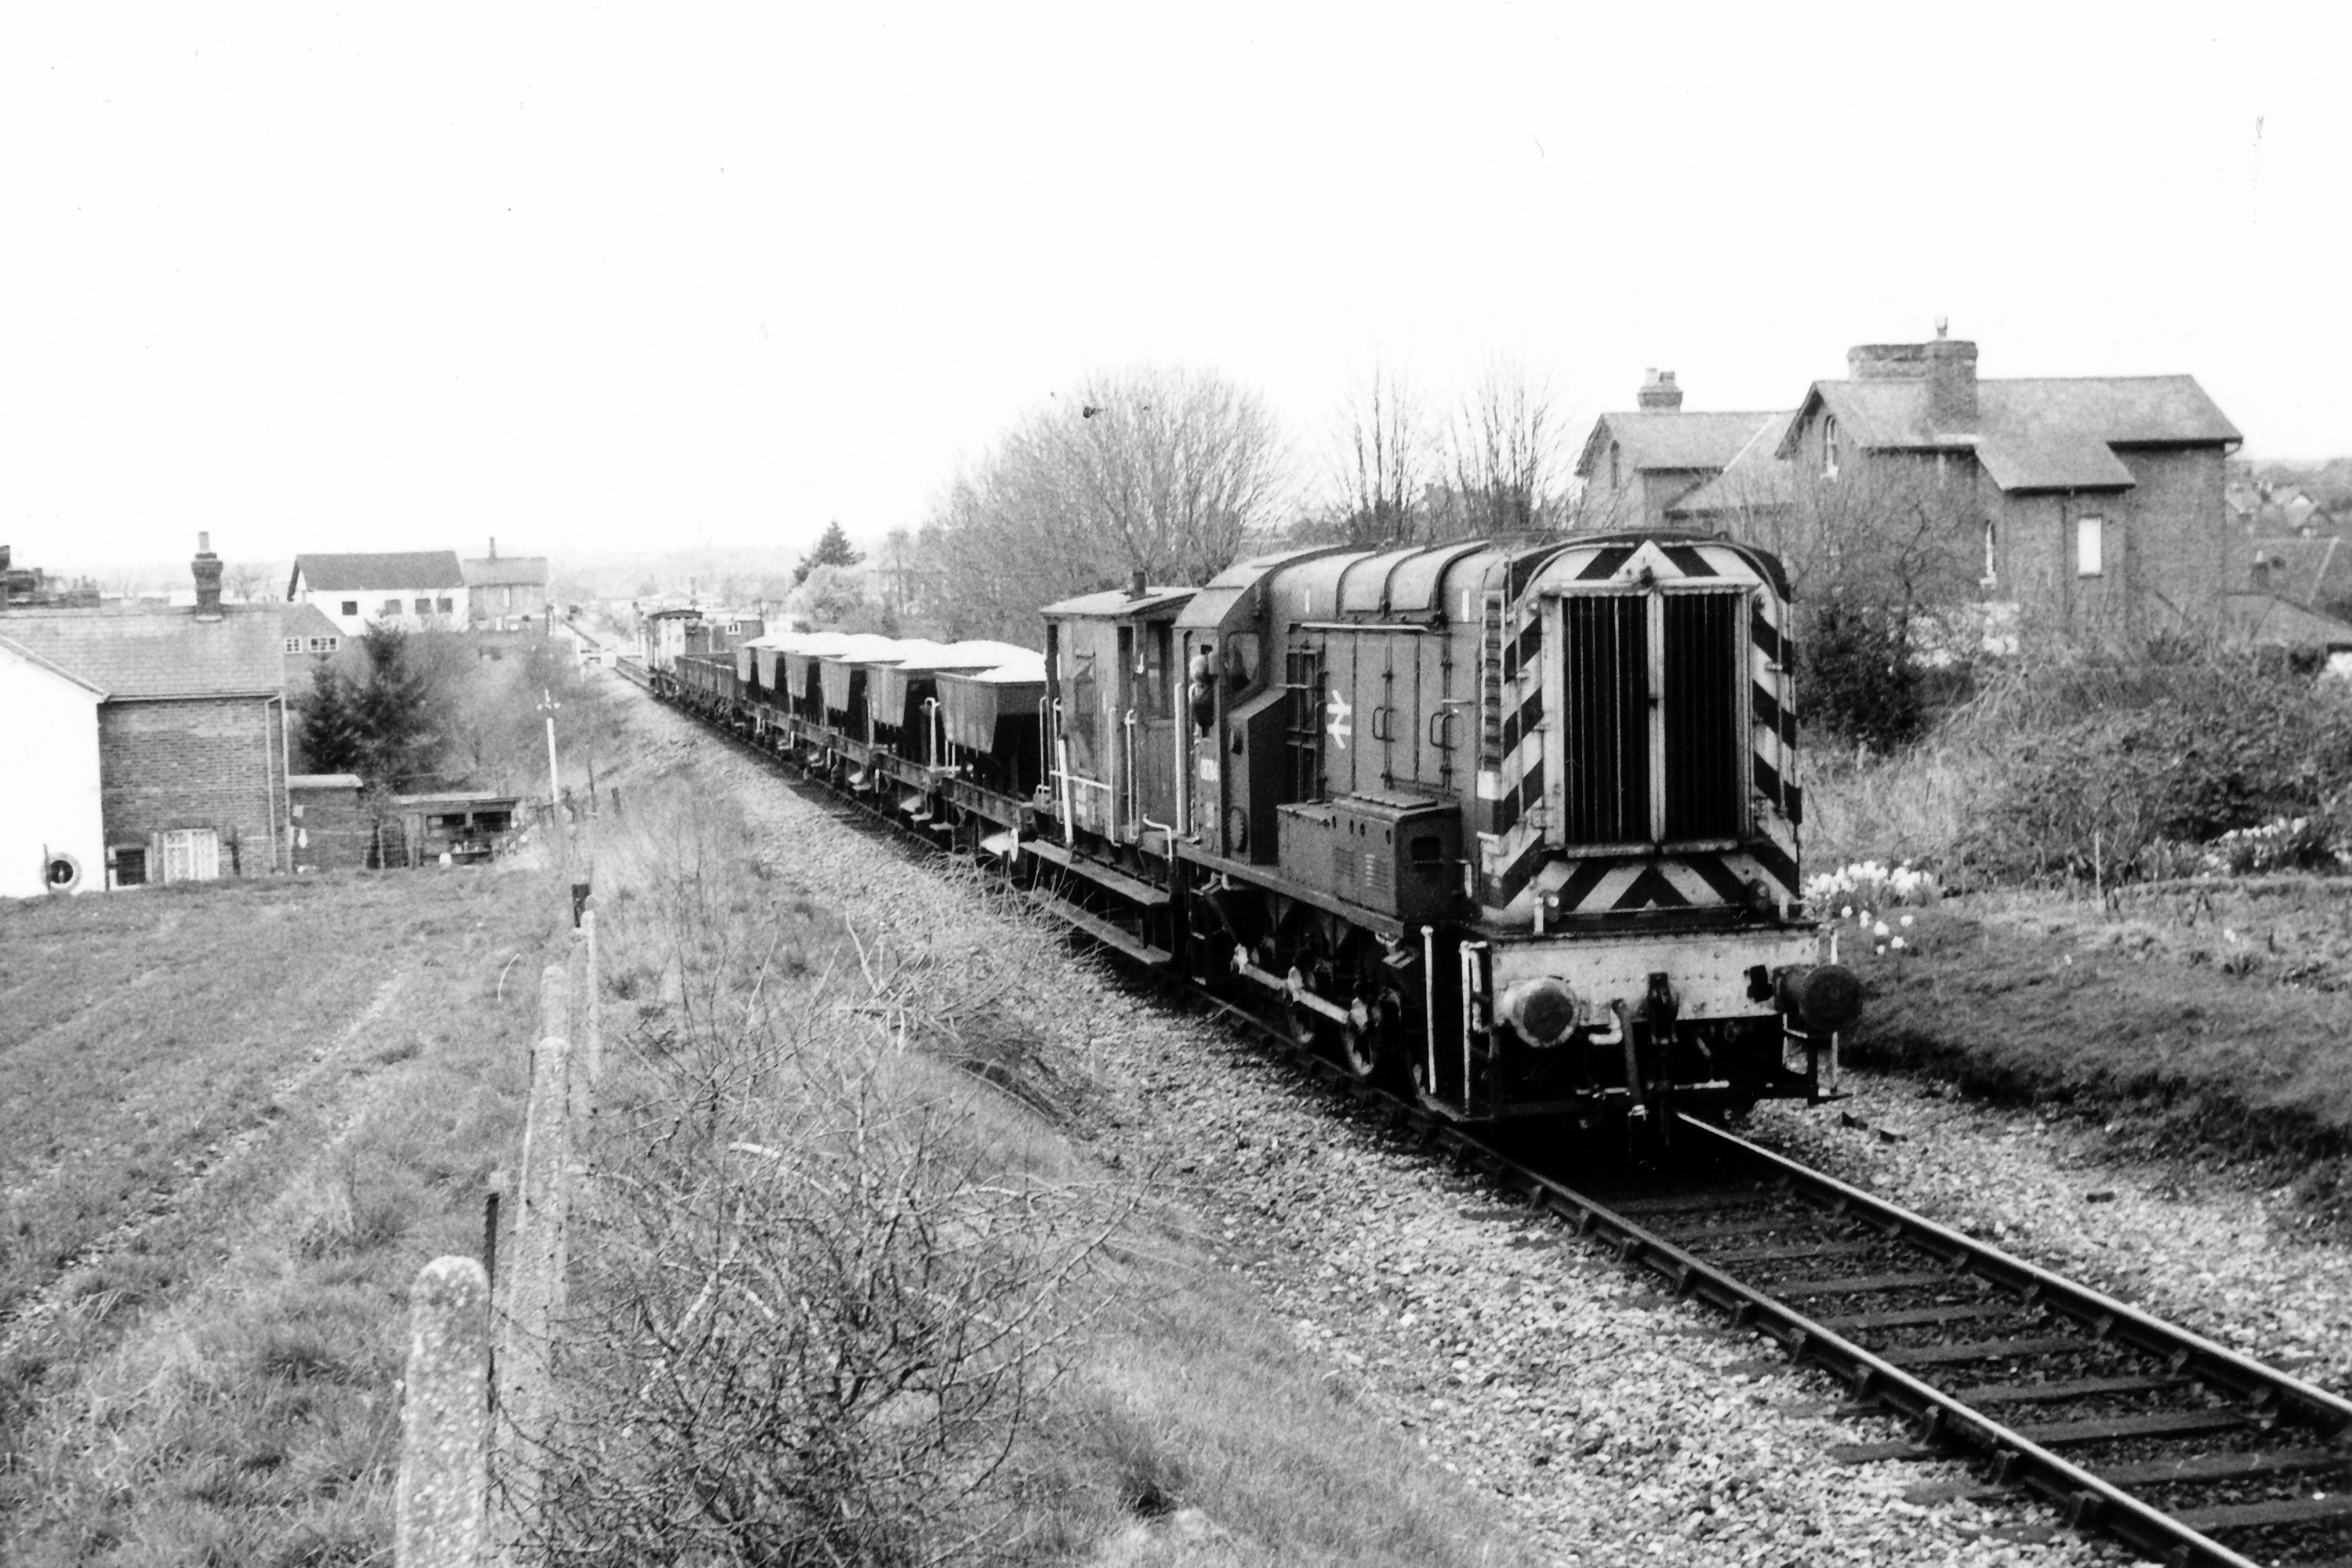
<point x="1511" y="822"/>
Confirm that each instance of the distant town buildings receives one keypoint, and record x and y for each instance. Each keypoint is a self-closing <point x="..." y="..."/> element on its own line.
<point x="415" y="590"/>
<point x="507" y="593"/>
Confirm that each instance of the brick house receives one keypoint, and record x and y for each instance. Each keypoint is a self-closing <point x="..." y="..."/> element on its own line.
<point x="2095" y="503"/>
<point x="413" y="589"/>
<point x="507" y="593"/>
<point x="1637" y="464"/>
<point x="190" y="734"/>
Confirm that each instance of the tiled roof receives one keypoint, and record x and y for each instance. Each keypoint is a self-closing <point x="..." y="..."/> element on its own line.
<point x="2270" y="622"/>
<point x="12" y="646"/>
<point x="148" y="654"/>
<point x="306" y="621"/>
<point x="404" y="569"/>
<point x="2052" y="433"/>
<point x="1663" y="438"/>
<point x="503" y="570"/>
<point x="2292" y="567"/>
<point x="1757" y="478"/>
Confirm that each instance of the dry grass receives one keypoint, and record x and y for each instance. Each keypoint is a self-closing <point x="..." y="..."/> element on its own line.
<point x="1915" y="805"/>
<point x="1173" y="1416"/>
<point x="274" y="1103"/>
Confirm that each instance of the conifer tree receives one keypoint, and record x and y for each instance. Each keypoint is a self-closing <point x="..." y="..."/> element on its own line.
<point x="833" y="549"/>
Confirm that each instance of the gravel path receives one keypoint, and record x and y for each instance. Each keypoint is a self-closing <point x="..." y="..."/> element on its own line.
<point x="1617" y="1425"/>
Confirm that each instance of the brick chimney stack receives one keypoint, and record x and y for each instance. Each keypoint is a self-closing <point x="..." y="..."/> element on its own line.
<point x="494" y="547"/>
<point x="1659" y="392"/>
<point x="1951" y="382"/>
<point x="208" y="579"/>
<point x="1949" y="366"/>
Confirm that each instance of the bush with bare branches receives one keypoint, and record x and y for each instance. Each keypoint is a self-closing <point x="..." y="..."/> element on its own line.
<point x="823" y="1280"/>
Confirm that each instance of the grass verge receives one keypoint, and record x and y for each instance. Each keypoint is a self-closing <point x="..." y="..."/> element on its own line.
<point x="881" y="1119"/>
<point x="2208" y="1015"/>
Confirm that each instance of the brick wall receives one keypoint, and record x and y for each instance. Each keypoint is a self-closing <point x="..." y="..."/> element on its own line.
<point x="2181" y="545"/>
<point x="203" y="763"/>
<point x="332" y="831"/>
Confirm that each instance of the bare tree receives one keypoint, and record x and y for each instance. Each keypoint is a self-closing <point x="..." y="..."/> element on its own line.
<point x="1382" y="463"/>
<point x="1152" y="470"/>
<point x="1503" y="461"/>
<point x="249" y="583"/>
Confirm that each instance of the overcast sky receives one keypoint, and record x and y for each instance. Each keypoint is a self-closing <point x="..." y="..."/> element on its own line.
<point x="608" y="278"/>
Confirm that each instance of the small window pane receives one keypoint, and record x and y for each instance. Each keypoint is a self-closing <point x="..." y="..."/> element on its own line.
<point x="2088" y="546"/>
<point x="350" y="607"/>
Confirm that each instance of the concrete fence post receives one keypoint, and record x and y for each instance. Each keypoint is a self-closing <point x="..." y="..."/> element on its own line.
<point x="535" y="1280"/>
<point x="438" y="1504"/>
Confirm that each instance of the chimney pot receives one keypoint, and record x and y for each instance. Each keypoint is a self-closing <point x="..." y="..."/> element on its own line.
<point x="1658" y="392"/>
<point x="1136" y="587"/>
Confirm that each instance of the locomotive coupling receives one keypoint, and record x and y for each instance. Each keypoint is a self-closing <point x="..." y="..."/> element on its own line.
<point x="1827" y="996"/>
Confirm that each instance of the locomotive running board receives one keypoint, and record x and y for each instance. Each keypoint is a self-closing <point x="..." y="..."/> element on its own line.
<point x="1142" y="895"/>
<point x="1102" y="931"/>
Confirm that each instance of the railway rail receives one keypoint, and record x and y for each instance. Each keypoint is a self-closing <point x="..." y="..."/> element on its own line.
<point x="2128" y="1425"/>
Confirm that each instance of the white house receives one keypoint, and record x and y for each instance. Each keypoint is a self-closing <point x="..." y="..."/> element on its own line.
<point x="52" y="830"/>
<point x="412" y="589"/>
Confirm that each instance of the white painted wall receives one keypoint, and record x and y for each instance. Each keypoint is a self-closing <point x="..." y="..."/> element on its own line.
<point x="48" y="776"/>
<point x="370" y="601"/>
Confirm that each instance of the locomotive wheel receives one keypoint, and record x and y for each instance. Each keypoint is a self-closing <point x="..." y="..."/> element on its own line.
<point x="1370" y="1048"/>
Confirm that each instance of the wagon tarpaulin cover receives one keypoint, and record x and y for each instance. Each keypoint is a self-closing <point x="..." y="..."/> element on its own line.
<point x="891" y="685"/>
<point x="972" y="702"/>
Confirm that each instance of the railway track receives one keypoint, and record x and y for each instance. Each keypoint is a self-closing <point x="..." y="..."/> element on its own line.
<point x="2126" y="1426"/>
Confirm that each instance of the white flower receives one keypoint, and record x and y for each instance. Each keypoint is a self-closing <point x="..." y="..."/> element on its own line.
<point x="1847" y="913"/>
<point x="1896" y="943"/>
<point x="1908" y="919"/>
<point x="1882" y="947"/>
<point x="1879" y="930"/>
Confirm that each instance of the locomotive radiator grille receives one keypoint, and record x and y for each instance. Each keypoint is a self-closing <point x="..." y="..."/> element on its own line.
<point x="1700" y="712"/>
<point x="1629" y="718"/>
<point x="1605" y="779"/>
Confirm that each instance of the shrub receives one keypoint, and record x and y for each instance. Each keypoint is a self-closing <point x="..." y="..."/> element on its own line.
<point x="2111" y="766"/>
<point x="1858" y="677"/>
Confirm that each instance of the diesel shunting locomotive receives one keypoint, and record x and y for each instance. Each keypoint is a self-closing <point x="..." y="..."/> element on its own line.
<point x="1512" y="826"/>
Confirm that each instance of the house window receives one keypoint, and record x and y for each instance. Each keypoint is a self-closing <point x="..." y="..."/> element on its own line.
<point x="1828" y="447"/>
<point x="325" y="644"/>
<point x="423" y="606"/>
<point x="2089" y="544"/>
<point x="1616" y="477"/>
<point x="293" y="645"/>
<point x="191" y="855"/>
<point x="445" y="605"/>
<point x="350" y="607"/>
<point x="392" y="607"/>
<point x="1991" y="577"/>
<point x="130" y="866"/>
